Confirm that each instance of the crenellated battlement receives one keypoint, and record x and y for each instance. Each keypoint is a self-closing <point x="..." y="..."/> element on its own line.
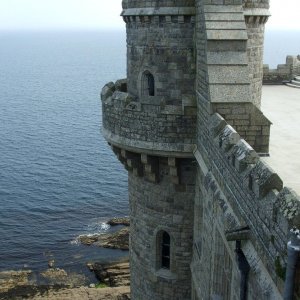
<point x="147" y="128"/>
<point x="283" y="72"/>
<point x="233" y="173"/>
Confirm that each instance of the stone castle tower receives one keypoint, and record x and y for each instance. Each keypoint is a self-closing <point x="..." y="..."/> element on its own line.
<point x="194" y="70"/>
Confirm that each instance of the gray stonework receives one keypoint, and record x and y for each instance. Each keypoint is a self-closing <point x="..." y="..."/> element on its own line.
<point x="249" y="122"/>
<point x="284" y="72"/>
<point x="187" y="125"/>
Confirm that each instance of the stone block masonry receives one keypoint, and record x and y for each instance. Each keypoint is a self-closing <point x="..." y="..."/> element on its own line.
<point x="209" y="218"/>
<point x="149" y="128"/>
<point x="284" y="72"/>
<point x="249" y="122"/>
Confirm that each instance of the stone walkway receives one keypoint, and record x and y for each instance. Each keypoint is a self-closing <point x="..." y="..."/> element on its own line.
<point x="281" y="105"/>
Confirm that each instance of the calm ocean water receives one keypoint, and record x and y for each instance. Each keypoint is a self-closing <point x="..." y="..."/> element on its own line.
<point x="58" y="177"/>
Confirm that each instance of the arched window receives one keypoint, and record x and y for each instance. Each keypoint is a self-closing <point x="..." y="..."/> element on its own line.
<point x="165" y="250"/>
<point x="148" y="84"/>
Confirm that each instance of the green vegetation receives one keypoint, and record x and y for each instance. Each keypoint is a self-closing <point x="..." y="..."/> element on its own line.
<point x="101" y="285"/>
<point x="280" y="270"/>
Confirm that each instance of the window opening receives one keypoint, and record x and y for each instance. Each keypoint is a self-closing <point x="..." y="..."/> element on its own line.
<point x="165" y="251"/>
<point x="148" y="84"/>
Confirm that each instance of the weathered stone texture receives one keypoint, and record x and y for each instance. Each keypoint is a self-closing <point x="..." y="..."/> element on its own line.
<point x="283" y="72"/>
<point x="156" y="4"/>
<point x="156" y="207"/>
<point x="193" y="92"/>
<point x="249" y="122"/>
<point x="247" y="195"/>
<point x="131" y="124"/>
<point x="255" y="58"/>
<point x="164" y="46"/>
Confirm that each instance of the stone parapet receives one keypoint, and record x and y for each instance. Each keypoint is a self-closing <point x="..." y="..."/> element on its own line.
<point x="249" y="122"/>
<point x="283" y="72"/>
<point x="147" y="128"/>
<point x="161" y="11"/>
<point x="256" y="4"/>
<point x="245" y="193"/>
<point x="126" y="4"/>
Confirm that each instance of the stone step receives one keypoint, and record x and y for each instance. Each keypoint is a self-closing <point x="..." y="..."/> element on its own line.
<point x="295" y="82"/>
<point x="293" y="85"/>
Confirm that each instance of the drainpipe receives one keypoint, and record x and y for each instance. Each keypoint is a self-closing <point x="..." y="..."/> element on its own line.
<point x="244" y="268"/>
<point x="293" y="255"/>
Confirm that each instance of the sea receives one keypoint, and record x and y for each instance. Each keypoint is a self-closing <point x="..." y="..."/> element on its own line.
<point x="59" y="178"/>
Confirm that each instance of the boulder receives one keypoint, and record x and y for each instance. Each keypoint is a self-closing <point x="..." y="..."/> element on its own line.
<point x="115" y="240"/>
<point x="119" y="221"/>
<point x="114" y="274"/>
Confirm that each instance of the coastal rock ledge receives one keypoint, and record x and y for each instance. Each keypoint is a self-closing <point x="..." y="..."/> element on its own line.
<point x="114" y="274"/>
<point x="114" y="284"/>
<point x="115" y="240"/>
<point x="117" y="293"/>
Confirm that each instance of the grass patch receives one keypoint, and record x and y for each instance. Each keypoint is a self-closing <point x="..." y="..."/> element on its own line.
<point x="101" y="285"/>
<point x="280" y="270"/>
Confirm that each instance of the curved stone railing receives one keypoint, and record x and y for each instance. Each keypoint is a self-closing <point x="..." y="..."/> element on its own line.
<point x="150" y="129"/>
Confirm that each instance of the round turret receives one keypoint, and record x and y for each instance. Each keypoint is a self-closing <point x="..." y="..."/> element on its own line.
<point x="150" y="122"/>
<point x="155" y="110"/>
<point x="256" y="15"/>
<point x="160" y="51"/>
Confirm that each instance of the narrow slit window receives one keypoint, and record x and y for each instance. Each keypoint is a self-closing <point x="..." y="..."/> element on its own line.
<point x="165" y="251"/>
<point x="148" y="84"/>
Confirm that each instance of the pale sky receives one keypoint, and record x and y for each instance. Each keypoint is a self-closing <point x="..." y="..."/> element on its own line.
<point x="97" y="14"/>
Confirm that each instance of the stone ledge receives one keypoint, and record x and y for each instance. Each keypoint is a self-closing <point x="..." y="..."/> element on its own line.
<point x="159" y="11"/>
<point x="152" y="148"/>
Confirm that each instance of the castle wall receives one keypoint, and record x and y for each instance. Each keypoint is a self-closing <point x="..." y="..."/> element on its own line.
<point x="155" y="4"/>
<point x="183" y="125"/>
<point x="155" y="207"/>
<point x="162" y="44"/>
<point x="249" y="122"/>
<point x="283" y="72"/>
<point x="256" y="15"/>
<point x="255" y="50"/>
<point x="239" y="191"/>
<point x="147" y="128"/>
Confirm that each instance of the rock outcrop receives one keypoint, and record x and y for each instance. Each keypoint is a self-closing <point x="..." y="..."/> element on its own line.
<point x="119" y="221"/>
<point x="112" y="274"/>
<point x="12" y="279"/>
<point x="119" y="293"/>
<point x="115" y="240"/>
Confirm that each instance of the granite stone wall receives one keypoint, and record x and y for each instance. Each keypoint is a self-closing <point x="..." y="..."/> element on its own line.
<point x="283" y="72"/>
<point x="239" y="191"/>
<point x="157" y="3"/>
<point x="183" y="124"/>
<point x="249" y="122"/>
<point x="256" y="4"/>
<point x="161" y="41"/>
<point x="256" y="15"/>
<point x="147" y="128"/>
<point x="255" y="46"/>
<point x="155" y="207"/>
